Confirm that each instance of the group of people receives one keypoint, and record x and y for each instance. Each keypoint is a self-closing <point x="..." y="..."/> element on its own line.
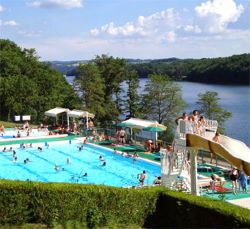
<point x="194" y="123"/>
<point x="151" y="147"/>
<point x="237" y="175"/>
<point x="142" y="178"/>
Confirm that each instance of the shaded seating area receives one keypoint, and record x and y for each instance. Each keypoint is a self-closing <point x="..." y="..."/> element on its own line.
<point x="151" y="145"/>
<point x="65" y="120"/>
<point x="75" y="125"/>
<point x="61" y="119"/>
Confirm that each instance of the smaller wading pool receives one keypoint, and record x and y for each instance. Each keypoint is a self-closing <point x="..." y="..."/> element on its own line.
<point x="119" y="171"/>
<point x="12" y="133"/>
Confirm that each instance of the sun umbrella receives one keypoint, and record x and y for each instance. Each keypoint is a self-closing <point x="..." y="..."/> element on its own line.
<point x="156" y="127"/>
<point x="125" y="124"/>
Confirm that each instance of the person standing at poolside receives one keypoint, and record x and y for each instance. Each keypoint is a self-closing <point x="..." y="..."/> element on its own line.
<point x="142" y="177"/>
<point x="243" y="181"/>
<point x="184" y="117"/>
<point x="122" y="136"/>
<point x="233" y="177"/>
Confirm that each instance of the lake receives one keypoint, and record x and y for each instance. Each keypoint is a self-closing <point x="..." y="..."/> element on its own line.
<point x="235" y="99"/>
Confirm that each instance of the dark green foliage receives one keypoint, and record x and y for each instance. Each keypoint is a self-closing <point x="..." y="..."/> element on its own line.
<point x="186" y="211"/>
<point x="92" y="86"/>
<point x="132" y="105"/>
<point x="223" y="70"/>
<point x="93" y="206"/>
<point x="209" y="107"/>
<point x="100" y="86"/>
<point x="162" y="101"/>
<point x="113" y="72"/>
<point x="28" y="86"/>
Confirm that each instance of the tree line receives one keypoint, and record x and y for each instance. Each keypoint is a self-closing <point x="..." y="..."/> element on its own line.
<point x="28" y="86"/>
<point x="223" y="70"/>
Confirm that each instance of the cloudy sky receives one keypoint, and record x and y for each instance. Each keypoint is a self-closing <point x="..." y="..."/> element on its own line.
<point x="82" y="29"/>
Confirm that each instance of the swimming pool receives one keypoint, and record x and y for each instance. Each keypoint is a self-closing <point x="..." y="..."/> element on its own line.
<point x="119" y="171"/>
<point x="12" y="133"/>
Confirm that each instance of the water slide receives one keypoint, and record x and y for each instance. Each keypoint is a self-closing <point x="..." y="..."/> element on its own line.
<point x="234" y="151"/>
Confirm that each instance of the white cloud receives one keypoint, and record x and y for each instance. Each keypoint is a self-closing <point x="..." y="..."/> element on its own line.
<point x="1" y="8"/>
<point x="8" y="23"/>
<point x="171" y="36"/>
<point x="217" y="14"/>
<point x="191" y="28"/>
<point x="66" y="4"/>
<point x="143" y="26"/>
<point x="186" y="46"/>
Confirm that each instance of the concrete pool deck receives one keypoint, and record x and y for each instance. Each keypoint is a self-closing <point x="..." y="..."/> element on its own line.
<point x="244" y="203"/>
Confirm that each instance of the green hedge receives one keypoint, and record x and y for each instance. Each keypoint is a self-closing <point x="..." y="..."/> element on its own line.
<point x="92" y="206"/>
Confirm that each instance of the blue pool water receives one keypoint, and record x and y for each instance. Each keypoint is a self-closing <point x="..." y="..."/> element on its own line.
<point x="11" y="133"/>
<point x="119" y="171"/>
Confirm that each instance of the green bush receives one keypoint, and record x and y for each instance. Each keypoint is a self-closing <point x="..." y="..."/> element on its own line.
<point x="92" y="206"/>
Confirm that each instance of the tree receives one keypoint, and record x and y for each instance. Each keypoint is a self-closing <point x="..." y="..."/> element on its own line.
<point x="162" y="101"/>
<point x="92" y="89"/>
<point x="132" y="105"/>
<point x="28" y="86"/>
<point x="113" y="72"/>
<point x="209" y="106"/>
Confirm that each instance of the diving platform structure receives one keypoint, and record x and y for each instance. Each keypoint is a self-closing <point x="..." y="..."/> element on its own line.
<point x="179" y="167"/>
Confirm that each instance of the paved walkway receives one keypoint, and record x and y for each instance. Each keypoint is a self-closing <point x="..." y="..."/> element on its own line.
<point x="245" y="203"/>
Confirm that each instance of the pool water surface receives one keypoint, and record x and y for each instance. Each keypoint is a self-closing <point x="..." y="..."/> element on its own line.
<point x="119" y="171"/>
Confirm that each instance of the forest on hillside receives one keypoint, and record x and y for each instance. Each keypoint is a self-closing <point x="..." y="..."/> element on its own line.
<point x="224" y="70"/>
<point x="28" y="86"/>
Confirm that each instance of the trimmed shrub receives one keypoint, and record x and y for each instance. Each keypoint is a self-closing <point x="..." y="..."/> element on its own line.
<point x="94" y="206"/>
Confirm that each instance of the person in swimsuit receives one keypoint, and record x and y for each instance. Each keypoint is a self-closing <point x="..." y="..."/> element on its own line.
<point x="142" y="177"/>
<point x="157" y="181"/>
<point x="233" y="177"/>
<point x="122" y="136"/>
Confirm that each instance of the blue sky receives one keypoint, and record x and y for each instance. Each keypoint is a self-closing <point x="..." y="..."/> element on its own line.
<point x="82" y="29"/>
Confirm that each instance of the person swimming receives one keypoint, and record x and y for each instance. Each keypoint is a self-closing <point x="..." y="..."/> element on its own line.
<point x="56" y="168"/>
<point x="101" y="158"/>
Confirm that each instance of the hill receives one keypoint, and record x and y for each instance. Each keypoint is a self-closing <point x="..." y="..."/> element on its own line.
<point x="222" y="70"/>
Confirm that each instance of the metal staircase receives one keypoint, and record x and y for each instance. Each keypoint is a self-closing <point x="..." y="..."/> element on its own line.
<point x="175" y="166"/>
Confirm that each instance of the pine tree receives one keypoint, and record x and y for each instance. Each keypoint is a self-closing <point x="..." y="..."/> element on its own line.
<point x="209" y="106"/>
